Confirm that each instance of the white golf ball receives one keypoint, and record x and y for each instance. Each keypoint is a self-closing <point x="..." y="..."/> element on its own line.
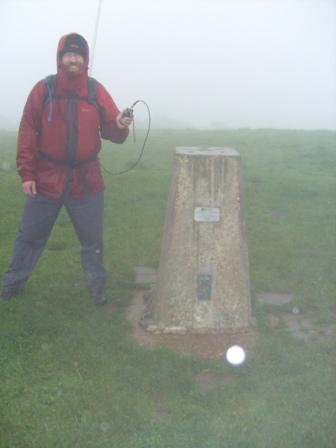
<point x="235" y="355"/>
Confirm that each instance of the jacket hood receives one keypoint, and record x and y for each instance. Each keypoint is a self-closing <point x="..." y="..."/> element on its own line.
<point x="76" y="82"/>
<point x="62" y="43"/>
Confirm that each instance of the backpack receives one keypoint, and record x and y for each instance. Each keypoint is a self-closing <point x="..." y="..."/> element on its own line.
<point x="91" y="98"/>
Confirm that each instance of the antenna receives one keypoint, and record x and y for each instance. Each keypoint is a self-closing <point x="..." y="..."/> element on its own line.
<point x="95" y="35"/>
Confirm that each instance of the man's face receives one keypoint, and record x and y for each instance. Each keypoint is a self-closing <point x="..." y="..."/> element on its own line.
<point x="73" y="62"/>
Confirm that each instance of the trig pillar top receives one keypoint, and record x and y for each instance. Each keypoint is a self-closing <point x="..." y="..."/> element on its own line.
<point x="212" y="151"/>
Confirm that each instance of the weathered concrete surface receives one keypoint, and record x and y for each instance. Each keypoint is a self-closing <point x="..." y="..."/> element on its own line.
<point x="203" y="277"/>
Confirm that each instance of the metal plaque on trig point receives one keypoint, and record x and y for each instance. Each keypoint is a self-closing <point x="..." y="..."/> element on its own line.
<point x="207" y="214"/>
<point x="204" y="286"/>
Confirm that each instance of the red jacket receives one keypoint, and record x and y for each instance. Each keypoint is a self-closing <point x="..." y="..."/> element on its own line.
<point x="72" y="123"/>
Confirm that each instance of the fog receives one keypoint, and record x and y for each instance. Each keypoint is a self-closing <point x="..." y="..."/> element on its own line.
<point x="197" y="63"/>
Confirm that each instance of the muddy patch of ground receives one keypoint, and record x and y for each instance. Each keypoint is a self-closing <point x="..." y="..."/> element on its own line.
<point x="202" y="345"/>
<point x="206" y="346"/>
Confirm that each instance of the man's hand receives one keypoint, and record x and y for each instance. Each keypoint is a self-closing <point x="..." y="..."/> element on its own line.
<point x="29" y="188"/>
<point x="123" y="121"/>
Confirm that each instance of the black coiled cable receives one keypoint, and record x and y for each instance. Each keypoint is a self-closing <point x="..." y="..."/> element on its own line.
<point x="117" y="173"/>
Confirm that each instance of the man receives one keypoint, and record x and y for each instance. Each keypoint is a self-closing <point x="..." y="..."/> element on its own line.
<point x="58" y="143"/>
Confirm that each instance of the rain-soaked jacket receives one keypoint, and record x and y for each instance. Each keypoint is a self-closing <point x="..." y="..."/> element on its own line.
<point x="58" y="142"/>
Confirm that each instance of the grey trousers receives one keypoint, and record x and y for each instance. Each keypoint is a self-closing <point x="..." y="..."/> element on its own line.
<point x="38" y="219"/>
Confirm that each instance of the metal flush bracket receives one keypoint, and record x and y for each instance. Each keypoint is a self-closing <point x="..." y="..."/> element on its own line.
<point x="204" y="286"/>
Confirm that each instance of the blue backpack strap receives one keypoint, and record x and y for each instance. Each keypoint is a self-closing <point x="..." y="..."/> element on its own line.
<point x="92" y="91"/>
<point x="50" y="82"/>
<point x="92" y="94"/>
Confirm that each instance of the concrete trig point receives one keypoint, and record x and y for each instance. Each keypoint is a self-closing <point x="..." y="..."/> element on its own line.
<point x="203" y="277"/>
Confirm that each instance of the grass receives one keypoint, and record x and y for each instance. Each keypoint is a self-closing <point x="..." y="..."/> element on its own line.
<point x="72" y="376"/>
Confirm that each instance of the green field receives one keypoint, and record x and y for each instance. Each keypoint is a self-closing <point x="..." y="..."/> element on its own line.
<point x="71" y="374"/>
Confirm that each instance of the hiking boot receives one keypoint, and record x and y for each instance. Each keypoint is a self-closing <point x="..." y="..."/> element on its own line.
<point x="98" y="297"/>
<point x="8" y="295"/>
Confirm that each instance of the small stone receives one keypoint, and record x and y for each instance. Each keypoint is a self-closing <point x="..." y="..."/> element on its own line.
<point x="154" y="329"/>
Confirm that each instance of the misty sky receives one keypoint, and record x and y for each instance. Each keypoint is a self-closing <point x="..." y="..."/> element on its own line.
<point x="235" y="63"/>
